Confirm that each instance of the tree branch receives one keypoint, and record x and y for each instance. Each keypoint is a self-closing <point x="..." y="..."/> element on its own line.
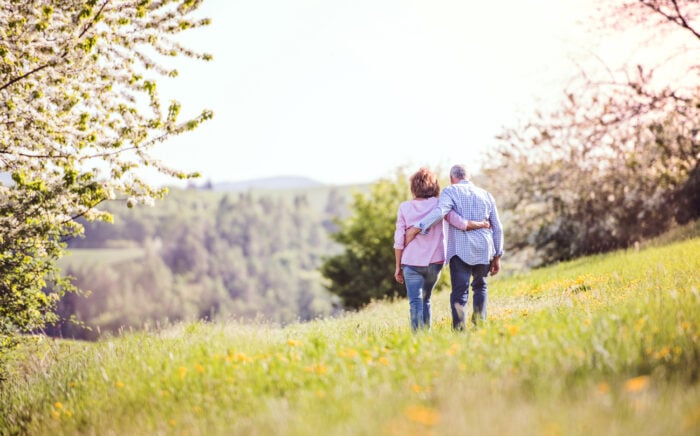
<point x="63" y="55"/>
<point x="23" y="76"/>
<point x="684" y="22"/>
<point x="678" y="19"/>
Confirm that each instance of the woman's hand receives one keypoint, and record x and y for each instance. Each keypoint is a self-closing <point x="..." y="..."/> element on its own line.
<point x="398" y="275"/>
<point x="473" y="225"/>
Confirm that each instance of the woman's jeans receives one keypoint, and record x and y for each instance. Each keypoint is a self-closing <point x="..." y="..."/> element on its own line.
<point x="420" y="281"/>
<point x="460" y="275"/>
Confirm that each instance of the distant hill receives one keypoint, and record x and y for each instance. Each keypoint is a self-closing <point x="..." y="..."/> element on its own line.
<point x="272" y="183"/>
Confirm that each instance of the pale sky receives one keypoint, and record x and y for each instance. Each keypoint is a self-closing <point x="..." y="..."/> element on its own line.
<point x="347" y="91"/>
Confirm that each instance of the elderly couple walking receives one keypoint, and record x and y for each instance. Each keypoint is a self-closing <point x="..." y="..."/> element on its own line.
<point x="459" y="226"/>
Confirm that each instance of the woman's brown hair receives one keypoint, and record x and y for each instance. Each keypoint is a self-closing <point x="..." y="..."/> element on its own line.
<point x="424" y="184"/>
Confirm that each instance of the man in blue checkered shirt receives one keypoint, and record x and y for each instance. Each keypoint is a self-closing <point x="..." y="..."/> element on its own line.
<point x="471" y="254"/>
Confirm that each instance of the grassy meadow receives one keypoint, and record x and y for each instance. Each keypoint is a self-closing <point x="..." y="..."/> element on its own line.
<point x="607" y="344"/>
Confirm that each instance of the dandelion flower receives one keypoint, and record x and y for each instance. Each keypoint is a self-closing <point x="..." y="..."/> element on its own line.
<point x="318" y="368"/>
<point x="637" y="384"/>
<point x="663" y="353"/>
<point x="603" y="388"/>
<point x="454" y="348"/>
<point x="350" y="353"/>
<point x="513" y="329"/>
<point x="423" y="415"/>
<point x="692" y="419"/>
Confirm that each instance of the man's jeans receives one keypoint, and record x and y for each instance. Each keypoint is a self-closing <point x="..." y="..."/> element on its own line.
<point x="420" y="281"/>
<point x="460" y="274"/>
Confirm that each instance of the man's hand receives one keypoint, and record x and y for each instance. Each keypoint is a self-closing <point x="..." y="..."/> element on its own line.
<point x="495" y="266"/>
<point x="398" y="275"/>
<point x="411" y="234"/>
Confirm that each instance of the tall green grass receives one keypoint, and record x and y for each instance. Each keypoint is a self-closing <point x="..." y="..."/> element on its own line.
<point x="603" y="345"/>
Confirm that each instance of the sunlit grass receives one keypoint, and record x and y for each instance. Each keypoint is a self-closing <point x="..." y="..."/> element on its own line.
<point x="602" y="345"/>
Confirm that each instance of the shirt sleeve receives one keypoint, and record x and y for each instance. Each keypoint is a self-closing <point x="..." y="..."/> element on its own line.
<point x="496" y="228"/>
<point x="456" y="220"/>
<point x="400" y="232"/>
<point x="445" y="204"/>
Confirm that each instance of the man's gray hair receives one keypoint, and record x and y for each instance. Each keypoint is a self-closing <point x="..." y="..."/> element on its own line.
<point x="459" y="172"/>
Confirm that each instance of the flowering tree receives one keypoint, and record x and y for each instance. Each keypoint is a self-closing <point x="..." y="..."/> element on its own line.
<point x="79" y="115"/>
<point x="619" y="160"/>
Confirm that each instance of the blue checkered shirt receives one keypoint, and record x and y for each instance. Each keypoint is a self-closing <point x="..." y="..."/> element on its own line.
<point x="474" y="247"/>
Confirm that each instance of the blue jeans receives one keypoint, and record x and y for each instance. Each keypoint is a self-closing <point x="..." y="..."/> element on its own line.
<point x="420" y="281"/>
<point x="460" y="274"/>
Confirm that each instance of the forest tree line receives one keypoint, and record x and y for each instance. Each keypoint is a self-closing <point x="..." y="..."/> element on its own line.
<point x="202" y="255"/>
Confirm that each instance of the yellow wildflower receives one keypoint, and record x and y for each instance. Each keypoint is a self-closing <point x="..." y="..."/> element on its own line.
<point x="513" y="329"/>
<point x="423" y="415"/>
<point x="183" y="372"/>
<point x="242" y="357"/>
<point x="662" y="353"/>
<point x="454" y="348"/>
<point x="199" y="368"/>
<point x="637" y="384"/>
<point x="318" y="369"/>
<point x="58" y="405"/>
<point x="293" y="343"/>
<point x="692" y="419"/>
<point x="384" y="361"/>
<point x="350" y="353"/>
<point x="603" y="388"/>
<point x="118" y="384"/>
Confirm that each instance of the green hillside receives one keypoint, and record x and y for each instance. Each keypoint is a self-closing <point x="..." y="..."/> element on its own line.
<point x="603" y="345"/>
<point x="202" y="254"/>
